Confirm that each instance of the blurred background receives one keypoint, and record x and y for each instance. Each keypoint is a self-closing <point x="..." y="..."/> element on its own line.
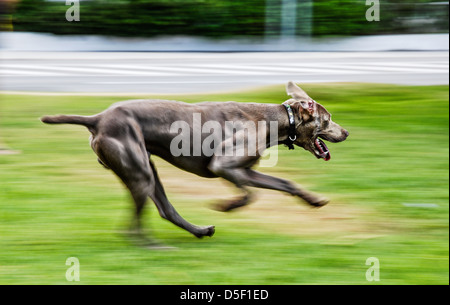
<point x="224" y="19"/>
<point x="244" y="25"/>
<point x="385" y="81"/>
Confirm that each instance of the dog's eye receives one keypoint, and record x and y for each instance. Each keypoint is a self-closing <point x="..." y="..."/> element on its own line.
<point x="325" y="124"/>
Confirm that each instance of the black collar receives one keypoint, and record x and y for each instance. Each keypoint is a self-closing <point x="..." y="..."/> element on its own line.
<point x="292" y="133"/>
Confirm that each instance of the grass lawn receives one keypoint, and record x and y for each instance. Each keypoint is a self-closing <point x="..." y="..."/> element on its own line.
<point x="388" y="184"/>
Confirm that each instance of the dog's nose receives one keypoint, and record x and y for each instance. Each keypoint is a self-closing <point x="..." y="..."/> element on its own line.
<point x="346" y="133"/>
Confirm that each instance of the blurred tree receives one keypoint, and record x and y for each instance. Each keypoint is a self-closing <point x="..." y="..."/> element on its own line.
<point x="228" y="18"/>
<point x="6" y="7"/>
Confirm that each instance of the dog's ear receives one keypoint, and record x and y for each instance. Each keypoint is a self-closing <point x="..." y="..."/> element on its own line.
<point x="296" y="92"/>
<point x="303" y="107"/>
<point x="309" y="106"/>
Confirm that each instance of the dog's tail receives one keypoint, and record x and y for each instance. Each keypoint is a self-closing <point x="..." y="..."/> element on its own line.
<point x="89" y="121"/>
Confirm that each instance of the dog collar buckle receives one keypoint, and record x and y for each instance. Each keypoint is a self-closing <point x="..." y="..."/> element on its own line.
<point x="292" y="134"/>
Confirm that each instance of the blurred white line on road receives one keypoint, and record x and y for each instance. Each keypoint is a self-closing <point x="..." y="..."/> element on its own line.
<point x="78" y="69"/>
<point x="190" y="82"/>
<point x="285" y="70"/>
<point x="375" y="67"/>
<point x="180" y="69"/>
<point x="12" y="72"/>
<point x="212" y="72"/>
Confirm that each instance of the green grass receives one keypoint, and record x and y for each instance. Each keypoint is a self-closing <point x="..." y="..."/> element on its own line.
<point x="57" y="202"/>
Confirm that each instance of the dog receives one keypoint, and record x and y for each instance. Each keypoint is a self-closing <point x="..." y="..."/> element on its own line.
<point x="127" y="134"/>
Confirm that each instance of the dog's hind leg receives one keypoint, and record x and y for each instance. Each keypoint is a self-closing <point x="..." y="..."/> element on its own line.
<point x="168" y="212"/>
<point x="129" y="161"/>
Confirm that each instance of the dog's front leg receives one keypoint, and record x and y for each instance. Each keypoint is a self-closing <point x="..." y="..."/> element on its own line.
<point x="246" y="177"/>
<point x="238" y="177"/>
<point x="232" y="168"/>
<point x="236" y="168"/>
<point x="259" y="180"/>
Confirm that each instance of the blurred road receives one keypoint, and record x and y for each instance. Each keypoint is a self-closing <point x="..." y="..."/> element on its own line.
<point x="155" y="73"/>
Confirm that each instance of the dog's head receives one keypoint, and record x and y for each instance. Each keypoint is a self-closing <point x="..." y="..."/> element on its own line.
<point x="313" y="123"/>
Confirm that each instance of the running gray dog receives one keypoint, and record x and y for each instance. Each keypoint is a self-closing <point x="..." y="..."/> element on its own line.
<point x="126" y="135"/>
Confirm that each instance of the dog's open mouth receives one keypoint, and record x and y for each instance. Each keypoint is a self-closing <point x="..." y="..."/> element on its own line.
<point x="324" y="153"/>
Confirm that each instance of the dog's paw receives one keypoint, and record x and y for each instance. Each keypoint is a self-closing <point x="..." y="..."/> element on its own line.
<point x="227" y="206"/>
<point x="210" y="231"/>
<point x="219" y="207"/>
<point x="320" y="202"/>
<point x="206" y="231"/>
